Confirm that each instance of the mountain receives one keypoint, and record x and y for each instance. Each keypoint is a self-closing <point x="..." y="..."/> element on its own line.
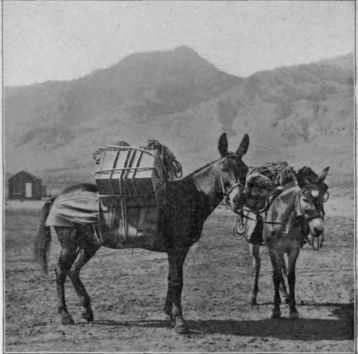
<point x="303" y="114"/>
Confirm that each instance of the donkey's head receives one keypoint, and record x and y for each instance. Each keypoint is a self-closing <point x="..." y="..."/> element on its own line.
<point x="232" y="170"/>
<point x="313" y="194"/>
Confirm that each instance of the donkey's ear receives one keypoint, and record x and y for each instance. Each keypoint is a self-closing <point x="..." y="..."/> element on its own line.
<point x="223" y="145"/>
<point x="244" y="145"/>
<point x="323" y="175"/>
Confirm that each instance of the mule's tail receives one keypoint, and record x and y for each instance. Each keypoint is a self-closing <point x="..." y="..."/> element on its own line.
<point x="43" y="238"/>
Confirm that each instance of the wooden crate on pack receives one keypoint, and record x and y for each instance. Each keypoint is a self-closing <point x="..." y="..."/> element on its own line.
<point x="131" y="186"/>
<point x="129" y="172"/>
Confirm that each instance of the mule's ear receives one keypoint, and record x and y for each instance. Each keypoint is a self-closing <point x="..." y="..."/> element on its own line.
<point x="244" y="145"/>
<point x="300" y="177"/>
<point x="323" y="175"/>
<point x="223" y="145"/>
<point x="301" y="181"/>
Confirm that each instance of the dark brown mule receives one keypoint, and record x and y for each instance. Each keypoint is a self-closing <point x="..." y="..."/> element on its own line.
<point x="284" y="230"/>
<point x="190" y="201"/>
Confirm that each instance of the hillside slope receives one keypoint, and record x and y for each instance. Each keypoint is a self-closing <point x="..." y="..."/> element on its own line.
<point x="303" y="114"/>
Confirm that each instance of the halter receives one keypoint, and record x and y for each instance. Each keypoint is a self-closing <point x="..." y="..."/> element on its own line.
<point x="298" y="208"/>
<point x="238" y="184"/>
<point x="221" y="179"/>
<point x="317" y="241"/>
<point x="228" y="192"/>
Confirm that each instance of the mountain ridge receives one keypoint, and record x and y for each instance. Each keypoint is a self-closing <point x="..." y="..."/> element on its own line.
<point x="183" y="100"/>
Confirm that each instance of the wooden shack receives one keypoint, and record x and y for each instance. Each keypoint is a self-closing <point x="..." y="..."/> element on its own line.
<point x="24" y="185"/>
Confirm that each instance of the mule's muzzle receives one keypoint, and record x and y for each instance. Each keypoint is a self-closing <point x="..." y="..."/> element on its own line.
<point x="237" y="197"/>
<point x="316" y="226"/>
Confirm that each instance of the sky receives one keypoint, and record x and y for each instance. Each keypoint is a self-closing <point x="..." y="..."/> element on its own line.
<point x="63" y="40"/>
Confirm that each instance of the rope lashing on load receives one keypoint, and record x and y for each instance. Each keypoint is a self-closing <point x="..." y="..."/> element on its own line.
<point x="168" y="159"/>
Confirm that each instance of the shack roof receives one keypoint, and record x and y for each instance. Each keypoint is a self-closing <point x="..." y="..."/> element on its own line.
<point x="27" y="174"/>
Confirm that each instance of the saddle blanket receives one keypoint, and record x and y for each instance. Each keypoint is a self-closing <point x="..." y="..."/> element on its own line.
<point x="74" y="208"/>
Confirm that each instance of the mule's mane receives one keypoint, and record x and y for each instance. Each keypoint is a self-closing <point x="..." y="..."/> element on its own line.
<point x="230" y="154"/>
<point x="201" y="168"/>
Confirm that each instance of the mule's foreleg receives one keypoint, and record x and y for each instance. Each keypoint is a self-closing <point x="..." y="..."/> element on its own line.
<point x="175" y="287"/>
<point x="67" y="256"/>
<point x="291" y="278"/>
<point x="276" y="277"/>
<point x="84" y="300"/>
<point x="256" y="262"/>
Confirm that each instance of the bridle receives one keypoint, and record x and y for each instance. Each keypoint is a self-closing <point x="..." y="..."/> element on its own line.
<point x="226" y="193"/>
<point x="298" y="208"/>
<point x="317" y="241"/>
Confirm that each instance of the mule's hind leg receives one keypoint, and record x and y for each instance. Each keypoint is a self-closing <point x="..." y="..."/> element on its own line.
<point x="84" y="300"/>
<point x="67" y="256"/>
<point x="168" y="306"/>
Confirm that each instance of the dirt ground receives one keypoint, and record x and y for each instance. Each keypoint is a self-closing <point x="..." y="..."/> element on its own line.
<point x="128" y="288"/>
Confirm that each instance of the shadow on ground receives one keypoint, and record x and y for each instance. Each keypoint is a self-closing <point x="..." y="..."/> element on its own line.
<point x="340" y="328"/>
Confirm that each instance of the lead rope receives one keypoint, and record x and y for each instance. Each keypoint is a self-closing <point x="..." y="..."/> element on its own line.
<point x="239" y="227"/>
<point x="317" y="242"/>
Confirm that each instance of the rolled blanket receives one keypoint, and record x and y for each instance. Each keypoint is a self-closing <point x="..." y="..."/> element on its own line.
<point x="260" y="187"/>
<point x="74" y="208"/>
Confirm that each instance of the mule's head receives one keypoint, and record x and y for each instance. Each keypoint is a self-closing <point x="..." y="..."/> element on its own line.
<point x="310" y="202"/>
<point x="232" y="170"/>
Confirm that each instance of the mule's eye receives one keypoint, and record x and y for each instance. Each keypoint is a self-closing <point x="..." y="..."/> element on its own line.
<point x="305" y="200"/>
<point x="225" y="169"/>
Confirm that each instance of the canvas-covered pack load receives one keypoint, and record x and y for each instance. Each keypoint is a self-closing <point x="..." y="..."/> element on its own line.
<point x="131" y="185"/>
<point x="266" y="182"/>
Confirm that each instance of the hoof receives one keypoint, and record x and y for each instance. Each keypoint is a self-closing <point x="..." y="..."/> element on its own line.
<point x="168" y="313"/>
<point x="294" y="315"/>
<point x="169" y="318"/>
<point x="276" y="314"/>
<point x="67" y="320"/>
<point x="253" y="301"/>
<point x="87" y="315"/>
<point x="182" y="329"/>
